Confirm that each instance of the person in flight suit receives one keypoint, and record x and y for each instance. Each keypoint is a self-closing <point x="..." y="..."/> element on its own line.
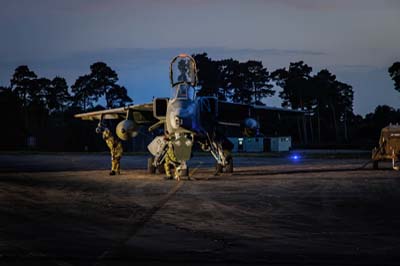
<point x="116" y="150"/>
<point x="170" y="160"/>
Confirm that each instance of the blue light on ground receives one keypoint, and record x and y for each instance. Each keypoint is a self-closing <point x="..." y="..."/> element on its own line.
<point x="295" y="157"/>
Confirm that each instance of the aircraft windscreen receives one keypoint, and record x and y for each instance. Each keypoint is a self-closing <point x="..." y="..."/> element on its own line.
<point x="183" y="71"/>
<point x="183" y="91"/>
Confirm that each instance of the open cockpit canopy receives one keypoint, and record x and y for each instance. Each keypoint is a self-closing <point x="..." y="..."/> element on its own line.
<point x="183" y="70"/>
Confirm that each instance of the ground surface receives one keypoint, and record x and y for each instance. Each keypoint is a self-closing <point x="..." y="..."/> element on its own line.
<point x="66" y="210"/>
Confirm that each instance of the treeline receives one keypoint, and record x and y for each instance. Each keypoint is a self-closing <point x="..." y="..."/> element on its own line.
<point x="38" y="111"/>
<point x="326" y="101"/>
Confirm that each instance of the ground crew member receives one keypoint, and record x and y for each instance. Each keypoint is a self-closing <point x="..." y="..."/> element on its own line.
<point x="170" y="159"/>
<point x="116" y="150"/>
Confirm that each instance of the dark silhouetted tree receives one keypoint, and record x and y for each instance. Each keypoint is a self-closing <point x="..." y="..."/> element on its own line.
<point x="228" y="71"/>
<point x="12" y="132"/>
<point x="258" y="79"/>
<point x="117" y="96"/>
<point x="322" y="86"/>
<point x="41" y="88"/>
<point x="344" y="102"/>
<point x="296" y="91"/>
<point x="394" y="72"/>
<point x="333" y="103"/>
<point x="28" y="88"/>
<point x="85" y="96"/>
<point x="242" y="84"/>
<point x="208" y="75"/>
<point x="370" y="127"/>
<point x="230" y="79"/>
<point x="102" y="81"/>
<point x="23" y="84"/>
<point x="57" y="95"/>
<point x="325" y="99"/>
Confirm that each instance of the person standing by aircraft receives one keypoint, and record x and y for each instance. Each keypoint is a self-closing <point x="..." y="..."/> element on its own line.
<point x="116" y="150"/>
<point x="170" y="160"/>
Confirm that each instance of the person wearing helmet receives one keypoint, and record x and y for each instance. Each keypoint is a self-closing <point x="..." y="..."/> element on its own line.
<point x="183" y="69"/>
<point x="170" y="160"/>
<point x="116" y="150"/>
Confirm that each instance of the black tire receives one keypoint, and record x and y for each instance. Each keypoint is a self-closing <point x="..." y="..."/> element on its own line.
<point x="185" y="173"/>
<point x="375" y="165"/>
<point x="150" y="167"/>
<point x="161" y="169"/>
<point x="229" y="166"/>
<point x="218" y="168"/>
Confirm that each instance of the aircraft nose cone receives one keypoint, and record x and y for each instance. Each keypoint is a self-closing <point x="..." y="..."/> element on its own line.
<point x="182" y="115"/>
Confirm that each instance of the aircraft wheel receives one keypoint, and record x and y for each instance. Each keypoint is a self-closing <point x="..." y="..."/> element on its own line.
<point x="151" y="169"/>
<point x="185" y="172"/>
<point x="161" y="169"/>
<point x="375" y="165"/>
<point x="229" y="166"/>
<point x="218" y="168"/>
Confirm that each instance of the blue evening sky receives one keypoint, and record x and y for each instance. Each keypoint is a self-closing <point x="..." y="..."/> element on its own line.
<point x="355" y="39"/>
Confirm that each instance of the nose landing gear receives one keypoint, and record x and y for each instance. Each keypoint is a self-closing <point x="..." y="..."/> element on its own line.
<point x="227" y="168"/>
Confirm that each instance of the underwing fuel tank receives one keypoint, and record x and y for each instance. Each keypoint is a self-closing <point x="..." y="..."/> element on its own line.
<point x="127" y="129"/>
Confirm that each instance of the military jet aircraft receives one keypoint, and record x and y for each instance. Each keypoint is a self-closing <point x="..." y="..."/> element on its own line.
<point x="187" y="119"/>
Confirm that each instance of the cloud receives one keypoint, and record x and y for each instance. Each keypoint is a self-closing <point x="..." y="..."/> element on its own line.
<point x="305" y="4"/>
<point x="331" y="5"/>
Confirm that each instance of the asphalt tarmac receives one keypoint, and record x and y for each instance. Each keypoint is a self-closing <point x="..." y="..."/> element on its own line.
<point x="66" y="210"/>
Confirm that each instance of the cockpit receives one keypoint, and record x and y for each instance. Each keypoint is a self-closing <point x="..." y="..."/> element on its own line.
<point x="183" y="76"/>
<point x="184" y="92"/>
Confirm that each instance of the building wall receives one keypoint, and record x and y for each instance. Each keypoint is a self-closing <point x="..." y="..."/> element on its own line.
<point x="255" y="144"/>
<point x="261" y="144"/>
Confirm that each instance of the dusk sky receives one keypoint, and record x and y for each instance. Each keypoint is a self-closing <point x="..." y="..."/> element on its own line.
<point x="355" y="39"/>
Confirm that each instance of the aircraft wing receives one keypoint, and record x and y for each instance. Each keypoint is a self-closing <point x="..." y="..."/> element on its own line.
<point x="232" y="114"/>
<point x="141" y="113"/>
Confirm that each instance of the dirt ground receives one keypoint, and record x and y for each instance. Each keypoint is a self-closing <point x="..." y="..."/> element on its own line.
<point x="66" y="210"/>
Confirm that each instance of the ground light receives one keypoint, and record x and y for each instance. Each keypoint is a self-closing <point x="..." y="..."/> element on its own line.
<point x="295" y="157"/>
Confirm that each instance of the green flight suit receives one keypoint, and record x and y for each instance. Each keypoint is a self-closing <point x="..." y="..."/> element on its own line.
<point x="116" y="150"/>
<point x="170" y="159"/>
